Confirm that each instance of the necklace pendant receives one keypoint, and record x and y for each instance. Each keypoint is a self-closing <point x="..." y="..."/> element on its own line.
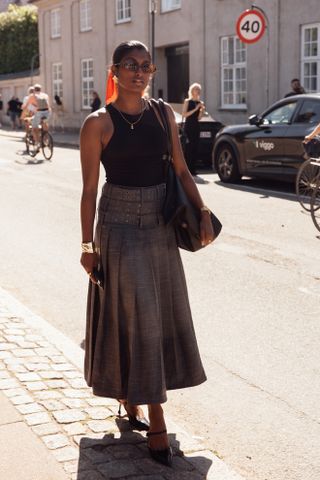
<point x="131" y="126"/>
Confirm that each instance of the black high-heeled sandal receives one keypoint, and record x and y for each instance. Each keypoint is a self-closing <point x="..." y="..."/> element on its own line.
<point x="163" y="456"/>
<point x="138" y="423"/>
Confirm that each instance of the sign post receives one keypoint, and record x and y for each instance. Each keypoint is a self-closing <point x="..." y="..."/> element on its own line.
<point x="250" y="27"/>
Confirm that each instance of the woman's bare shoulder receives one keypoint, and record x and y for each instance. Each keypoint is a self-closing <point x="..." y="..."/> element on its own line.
<point x="98" y="122"/>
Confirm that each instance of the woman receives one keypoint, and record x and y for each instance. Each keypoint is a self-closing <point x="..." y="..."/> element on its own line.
<point x="57" y="113"/>
<point x="96" y="102"/>
<point x="192" y="111"/>
<point x="140" y="339"/>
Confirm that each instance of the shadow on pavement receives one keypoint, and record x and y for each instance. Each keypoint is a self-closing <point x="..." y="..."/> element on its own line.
<point x="125" y="454"/>
<point x="264" y="188"/>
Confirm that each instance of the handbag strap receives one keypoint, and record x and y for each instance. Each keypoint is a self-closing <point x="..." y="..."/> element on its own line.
<point x="161" y="109"/>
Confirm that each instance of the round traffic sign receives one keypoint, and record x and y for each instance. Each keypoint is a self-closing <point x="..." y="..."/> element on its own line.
<point x="251" y="26"/>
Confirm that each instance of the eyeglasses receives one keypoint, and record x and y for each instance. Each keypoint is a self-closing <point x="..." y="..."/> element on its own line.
<point x="135" y="67"/>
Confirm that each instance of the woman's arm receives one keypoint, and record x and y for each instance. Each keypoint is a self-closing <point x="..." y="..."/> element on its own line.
<point x="90" y="151"/>
<point x="185" y="113"/>
<point x="315" y="132"/>
<point x="181" y="169"/>
<point x="201" y="110"/>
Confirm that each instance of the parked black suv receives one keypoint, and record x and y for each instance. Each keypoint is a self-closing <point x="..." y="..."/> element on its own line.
<point x="270" y="145"/>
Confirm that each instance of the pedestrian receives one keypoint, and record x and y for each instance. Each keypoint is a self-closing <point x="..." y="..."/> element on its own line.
<point x="140" y="340"/>
<point x="192" y="112"/>
<point x="296" y="88"/>
<point x="96" y="103"/>
<point x="1" y="111"/>
<point x="57" y="113"/>
<point x="13" y="111"/>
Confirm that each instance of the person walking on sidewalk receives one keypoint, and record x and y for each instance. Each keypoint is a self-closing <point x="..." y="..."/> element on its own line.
<point x="140" y="340"/>
<point x="96" y="102"/>
<point x="1" y="111"/>
<point x="192" y="112"/>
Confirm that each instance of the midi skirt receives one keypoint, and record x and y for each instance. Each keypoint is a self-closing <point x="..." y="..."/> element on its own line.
<point x="140" y="340"/>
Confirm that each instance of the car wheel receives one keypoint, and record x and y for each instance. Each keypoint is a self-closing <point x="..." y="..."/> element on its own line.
<point x="226" y="164"/>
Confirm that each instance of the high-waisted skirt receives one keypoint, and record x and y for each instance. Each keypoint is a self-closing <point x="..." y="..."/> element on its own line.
<point x="140" y="340"/>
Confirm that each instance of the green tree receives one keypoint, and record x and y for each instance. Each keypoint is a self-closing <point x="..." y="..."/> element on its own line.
<point x="18" y="39"/>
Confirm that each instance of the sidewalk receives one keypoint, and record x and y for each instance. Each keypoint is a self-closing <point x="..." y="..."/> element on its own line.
<point x="60" y="139"/>
<point x="53" y="428"/>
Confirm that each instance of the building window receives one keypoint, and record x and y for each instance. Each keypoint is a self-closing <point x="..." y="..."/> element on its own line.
<point x="123" y="11"/>
<point x="233" y="73"/>
<point x="85" y="15"/>
<point x="310" y="73"/>
<point x="167" y="5"/>
<point x="55" y="19"/>
<point x="87" y="82"/>
<point x="57" y="79"/>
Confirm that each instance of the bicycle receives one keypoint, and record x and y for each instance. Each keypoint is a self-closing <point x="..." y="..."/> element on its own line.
<point x="315" y="205"/>
<point x="308" y="173"/>
<point x="46" y="141"/>
<point x="306" y="181"/>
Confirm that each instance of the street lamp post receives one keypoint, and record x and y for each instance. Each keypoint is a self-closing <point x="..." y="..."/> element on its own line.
<point x="152" y="11"/>
<point x="36" y="55"/>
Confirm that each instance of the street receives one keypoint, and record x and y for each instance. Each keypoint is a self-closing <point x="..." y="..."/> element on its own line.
<point x="254" y="295"/>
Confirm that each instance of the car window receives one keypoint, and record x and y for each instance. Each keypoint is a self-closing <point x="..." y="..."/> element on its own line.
<point x="280" y="115"/>
<point x="309" y="112"/>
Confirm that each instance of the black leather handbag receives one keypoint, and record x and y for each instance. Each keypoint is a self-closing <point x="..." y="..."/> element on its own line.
<point x="177" y="209"/>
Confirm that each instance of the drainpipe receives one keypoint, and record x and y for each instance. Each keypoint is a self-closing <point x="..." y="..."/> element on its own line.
<point x="72" y="59"/>
<point x="204" y="10"/>
<point x="279" y="46"/>
<point x="44" y="47"/>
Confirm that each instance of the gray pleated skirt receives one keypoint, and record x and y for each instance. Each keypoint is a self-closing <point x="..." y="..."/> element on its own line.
<point x="140" y="339"/>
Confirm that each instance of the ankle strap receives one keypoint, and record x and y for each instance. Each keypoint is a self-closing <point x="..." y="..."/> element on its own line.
<point x="149" y="434"/>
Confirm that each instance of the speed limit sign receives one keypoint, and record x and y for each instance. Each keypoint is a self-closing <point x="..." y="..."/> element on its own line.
<point x="251" y="26"/>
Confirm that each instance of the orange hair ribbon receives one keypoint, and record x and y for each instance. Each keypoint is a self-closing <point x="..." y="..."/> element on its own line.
<point x="111" y="89"/>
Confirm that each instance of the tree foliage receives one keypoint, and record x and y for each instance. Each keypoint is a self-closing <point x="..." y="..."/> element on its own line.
<point x="18" y="39"/>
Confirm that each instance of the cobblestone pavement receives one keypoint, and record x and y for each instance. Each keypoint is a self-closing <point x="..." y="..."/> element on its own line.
<point x="83" y="432"/>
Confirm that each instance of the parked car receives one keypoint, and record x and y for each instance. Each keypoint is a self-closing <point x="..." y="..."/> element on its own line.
<point x="270" y="145"/>
<point x="208" y="130"/>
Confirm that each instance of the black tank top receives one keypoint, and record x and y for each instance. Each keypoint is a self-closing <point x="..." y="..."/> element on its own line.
<point x="134" y="158"/>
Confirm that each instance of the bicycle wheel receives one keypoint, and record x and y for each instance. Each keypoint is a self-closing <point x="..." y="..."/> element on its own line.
<point x="315" y="206"/>
<point x="47" y="145"/>
<point x="306" y="181"/>
<point x="30" y="145"/>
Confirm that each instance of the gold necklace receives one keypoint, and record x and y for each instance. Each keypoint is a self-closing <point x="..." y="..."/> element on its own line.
<point x="132" y="124"/>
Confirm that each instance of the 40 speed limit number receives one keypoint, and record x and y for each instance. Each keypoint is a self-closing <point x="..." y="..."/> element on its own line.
<point x="251" y="26"/>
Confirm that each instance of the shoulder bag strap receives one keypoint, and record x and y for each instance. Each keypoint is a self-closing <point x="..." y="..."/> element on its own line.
<point x="161" y="109"/>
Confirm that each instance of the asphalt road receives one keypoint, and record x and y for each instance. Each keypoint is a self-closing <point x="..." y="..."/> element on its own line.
<point x="254" y="295"/>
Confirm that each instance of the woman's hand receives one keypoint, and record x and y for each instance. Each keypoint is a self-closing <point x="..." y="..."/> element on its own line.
<point x="206" y="230"/>
<point x="307" y="138"/>
<point x="89" y="261"/>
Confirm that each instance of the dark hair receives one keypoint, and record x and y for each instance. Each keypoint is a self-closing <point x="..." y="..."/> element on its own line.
<point x="125" y="47"/>
<point x="295" y="80"/>
<point x="57" y="99"/>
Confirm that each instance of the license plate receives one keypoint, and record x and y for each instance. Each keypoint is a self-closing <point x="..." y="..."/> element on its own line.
<point x="205" y="134"/>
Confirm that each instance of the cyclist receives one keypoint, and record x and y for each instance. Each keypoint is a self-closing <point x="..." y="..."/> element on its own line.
<point x="29" y="108"/>
<point x="313" y="134"/>
<point x="43" y="111"/>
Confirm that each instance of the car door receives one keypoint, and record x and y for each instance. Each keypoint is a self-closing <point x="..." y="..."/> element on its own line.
<point x="304" y="121"/>
<point x="264" y="147"/>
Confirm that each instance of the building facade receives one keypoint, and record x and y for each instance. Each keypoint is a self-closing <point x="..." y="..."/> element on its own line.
<point x="193" y="42"/>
